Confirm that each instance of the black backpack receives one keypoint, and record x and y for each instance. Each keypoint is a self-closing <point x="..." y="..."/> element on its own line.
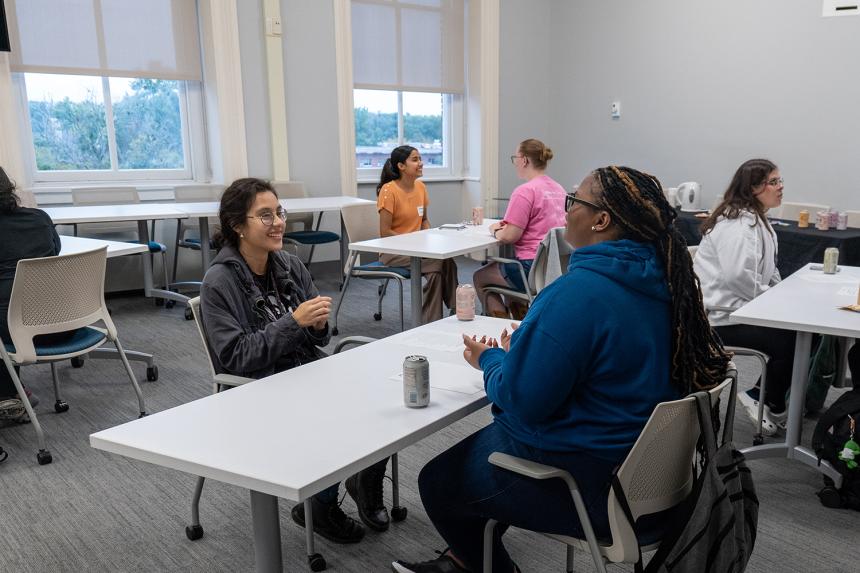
<point x="830" y="438"/>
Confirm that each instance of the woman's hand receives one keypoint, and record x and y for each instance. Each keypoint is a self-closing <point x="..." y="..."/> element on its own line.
<point x="496" y="226"/>
<point x="313" y="312"/>
<point x="505" y="338"/>
<point x="474" y="349"/>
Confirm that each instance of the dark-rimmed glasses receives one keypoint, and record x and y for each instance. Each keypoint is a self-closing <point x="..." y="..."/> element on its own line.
<point x="571" y="198"/>
<point x="515" y="157"/>
<point x="268" y="218"/>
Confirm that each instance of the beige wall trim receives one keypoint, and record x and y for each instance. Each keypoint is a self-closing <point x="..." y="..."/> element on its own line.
<point x="277" y="97"/>
<point x="489" y="82"/>
<point x="346" y="117"/>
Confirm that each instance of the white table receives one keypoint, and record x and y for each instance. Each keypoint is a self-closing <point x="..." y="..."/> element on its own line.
<point x="429" y="244"/>
<point x="806" y="302"/>
<point x="72" y="245"/>
<point x="139" y="212"/>
<point x="296" y="433"/>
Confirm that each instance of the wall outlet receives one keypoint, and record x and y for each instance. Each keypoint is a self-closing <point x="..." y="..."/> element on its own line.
<point x="616" y="110"/>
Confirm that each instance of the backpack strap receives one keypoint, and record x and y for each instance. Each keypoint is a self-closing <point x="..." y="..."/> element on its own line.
<point x="846" y="404"/>
<point x="625" y="507"/>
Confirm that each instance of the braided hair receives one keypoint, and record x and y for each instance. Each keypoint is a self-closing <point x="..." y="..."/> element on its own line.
<point x="637" y="205"/>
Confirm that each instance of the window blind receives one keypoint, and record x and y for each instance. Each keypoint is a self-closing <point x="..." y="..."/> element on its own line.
<point x="408" y="45"/>
<point x="120" y="38"/>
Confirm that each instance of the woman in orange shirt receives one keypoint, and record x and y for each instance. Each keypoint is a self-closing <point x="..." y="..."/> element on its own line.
<point x="402" y="204"/>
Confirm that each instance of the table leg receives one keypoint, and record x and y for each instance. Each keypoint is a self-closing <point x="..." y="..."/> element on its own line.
<point x="344" y="240"/>
<point x="267" y="532"/>
<point x="204" y="242"/>
<point x="417" y="293"/>
<point x="149" y="289"/>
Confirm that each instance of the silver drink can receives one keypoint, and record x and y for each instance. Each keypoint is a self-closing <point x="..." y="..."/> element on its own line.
<point x="842" y="221"/>
<point x="416" y="381"/>
<point x="831" y="260"/>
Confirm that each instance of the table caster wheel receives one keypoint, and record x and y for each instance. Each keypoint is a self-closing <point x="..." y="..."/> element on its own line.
<point x="377" y="316"/>
<point x="60" y="407"/>
<point x="170" y="304"/>
<point x="398" y="513"/>
<point x="77" y="362"/>
<point x="189" y="315"/>
<point x="44" y="457"/>
<point x="152" y="373"/>
<point x="317" y="562"/>
<point x="194" y="532"/>
<point x="334" y="331"/>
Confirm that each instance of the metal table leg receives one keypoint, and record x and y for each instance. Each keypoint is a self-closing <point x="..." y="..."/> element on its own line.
<point x="417" y="293"/>
<point x="148" y="286"/>
<point x="267" y="533"/>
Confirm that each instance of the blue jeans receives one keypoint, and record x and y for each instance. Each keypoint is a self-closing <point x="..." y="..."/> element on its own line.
<point x="511" y="272"/>
<point x="461" y="490"/>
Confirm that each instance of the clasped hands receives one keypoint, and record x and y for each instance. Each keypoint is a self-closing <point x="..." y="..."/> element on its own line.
<point x="313" y="312"/>
<point x="475" y="347"/>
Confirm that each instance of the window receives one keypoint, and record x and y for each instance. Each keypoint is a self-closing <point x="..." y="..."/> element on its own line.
<point x="123" y="127"/>
<point x="386" y="119"/>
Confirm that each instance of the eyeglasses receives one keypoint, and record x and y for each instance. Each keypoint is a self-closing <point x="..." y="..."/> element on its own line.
<point x="515" y="157"/>
<point x="775" y="181"/>
<point x="571" y="198"/>
<point x="268" y="218"/>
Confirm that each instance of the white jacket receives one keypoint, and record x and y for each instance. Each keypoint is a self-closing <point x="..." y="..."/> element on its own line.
<point x="735" y="262"/>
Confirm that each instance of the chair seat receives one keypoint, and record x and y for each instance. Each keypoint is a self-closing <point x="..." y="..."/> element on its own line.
<point x="195" y="244"/>
<point x="376" y="267"/>
<point x="82" y="339"/>
<point x="312" y="237"/>
<point x="153" y="246"/>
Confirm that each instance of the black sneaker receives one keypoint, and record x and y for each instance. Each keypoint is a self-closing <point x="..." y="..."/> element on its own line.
<point x="330" y="521"/>
<point x="442" y="564"/>
<point x="365" y="488"/>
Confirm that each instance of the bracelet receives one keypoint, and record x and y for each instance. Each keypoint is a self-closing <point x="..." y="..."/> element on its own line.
<point x="494" y="232"/>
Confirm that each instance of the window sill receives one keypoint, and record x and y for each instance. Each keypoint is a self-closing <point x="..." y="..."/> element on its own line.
<point x="437" y="179"/>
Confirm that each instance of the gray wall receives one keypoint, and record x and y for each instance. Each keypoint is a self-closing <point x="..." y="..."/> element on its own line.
<point x="704" y="86"/>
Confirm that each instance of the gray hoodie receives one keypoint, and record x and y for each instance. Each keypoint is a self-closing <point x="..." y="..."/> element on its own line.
<point x="243" y="341"/>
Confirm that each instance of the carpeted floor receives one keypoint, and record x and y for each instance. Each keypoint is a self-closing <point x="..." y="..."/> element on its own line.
<point x="92" y="511"/>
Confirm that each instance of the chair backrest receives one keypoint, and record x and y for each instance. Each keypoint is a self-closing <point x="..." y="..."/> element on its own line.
<point x="853" y="219"/>
<point x="197" y="193"/>
<point x="657" y="473"/>
<point x="57" y="294"/>
<point x="790" y="211"/>
<point x="551" y="260"/>
<point x="289" y="189"/>
<point x="105" y="196"/>
<point x="361" y="222"/>
<point x="194" y="303"/>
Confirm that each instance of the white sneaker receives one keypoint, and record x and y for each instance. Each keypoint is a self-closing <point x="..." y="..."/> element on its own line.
<point x="769" y="426"/>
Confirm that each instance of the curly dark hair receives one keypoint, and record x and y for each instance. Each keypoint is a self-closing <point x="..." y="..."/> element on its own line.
<point x="235" y="203"/>
<point x="9" y="200"/>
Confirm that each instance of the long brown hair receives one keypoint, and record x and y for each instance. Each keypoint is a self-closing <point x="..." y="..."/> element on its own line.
<point x="740" y="195"/>
<point x="636" y="203"/>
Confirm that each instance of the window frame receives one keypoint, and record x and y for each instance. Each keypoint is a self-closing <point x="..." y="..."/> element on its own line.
<point x="191" y="112"/>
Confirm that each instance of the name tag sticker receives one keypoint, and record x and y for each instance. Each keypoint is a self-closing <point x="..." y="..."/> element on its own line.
<point x="421" y="210"/>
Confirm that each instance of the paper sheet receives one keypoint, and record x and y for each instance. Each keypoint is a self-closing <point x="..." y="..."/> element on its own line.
<point x="453" y="377"/>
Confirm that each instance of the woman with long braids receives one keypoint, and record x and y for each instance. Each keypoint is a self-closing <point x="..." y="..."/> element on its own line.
<point x="736" y="262"/>
<point x="574" y="385"/>
<point x="403" y="206"/>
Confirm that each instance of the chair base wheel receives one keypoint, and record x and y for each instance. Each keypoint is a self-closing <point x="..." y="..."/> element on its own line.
<point x="377" y="316"/>
<point x="194" y="532"/>
<point x="334" y="331"/>
<point x="398" y="513"/>
<point x="44" y="457"/>
<point x="317" y="562"/>
<point x="152" y="373"/>
<point x="77" y="362"/>
<point x="189" y="315"/>
<point x="60" y="407"/>
<point x="170" y="304"/>
<point x="159" y="302"/>
<point x="758" y="440"/>
<point x="142" y="415"/>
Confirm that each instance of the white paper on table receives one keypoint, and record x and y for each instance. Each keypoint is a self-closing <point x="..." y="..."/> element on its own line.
<point x="460" y="378"/>
<point x="849" y="291"/>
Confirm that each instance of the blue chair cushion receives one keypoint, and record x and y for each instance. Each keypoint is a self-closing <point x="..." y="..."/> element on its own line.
<point x="154" y="246"/>
<point x="78" y="340"/>
<point x="312" y="237"/>
<point x="377" y="266"/>
<point x="195" y="244"/>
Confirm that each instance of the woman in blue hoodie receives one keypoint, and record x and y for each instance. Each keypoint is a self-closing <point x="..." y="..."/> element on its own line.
<point x="574" y="385"/>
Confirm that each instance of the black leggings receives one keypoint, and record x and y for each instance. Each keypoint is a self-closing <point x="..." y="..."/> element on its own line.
<point x="776" y="343"/>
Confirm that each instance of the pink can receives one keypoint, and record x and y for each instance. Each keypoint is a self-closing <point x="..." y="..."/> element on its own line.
<point x="834" y="219"/>
<point x="466" y="302"/>
<point x="822" y="220"/>
<point x="477" y="215"/>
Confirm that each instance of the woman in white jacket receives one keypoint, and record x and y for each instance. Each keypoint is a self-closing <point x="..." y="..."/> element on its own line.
<point x="736" y="262"/>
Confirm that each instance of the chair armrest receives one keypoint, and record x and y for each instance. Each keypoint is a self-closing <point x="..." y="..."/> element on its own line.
<point x="504" y="260"/>
<point x="347" y="340"/>
<point x="530" y="469"/>
<point x="744" y="351"/>
<point x="230" y="380"/>
<point x="523" y="275"/>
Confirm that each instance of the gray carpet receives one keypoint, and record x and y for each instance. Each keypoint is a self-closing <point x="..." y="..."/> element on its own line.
<point x="91" y="511"/>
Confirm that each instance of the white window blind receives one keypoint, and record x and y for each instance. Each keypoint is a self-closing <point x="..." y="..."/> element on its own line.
<point x="120" y="38"/>
<point x="408" y="45"/>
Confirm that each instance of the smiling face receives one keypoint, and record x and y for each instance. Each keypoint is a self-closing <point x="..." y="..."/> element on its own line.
<point x="413" y="167"/>
<point x="769" y="193"/>
<point x="255" y="236"/>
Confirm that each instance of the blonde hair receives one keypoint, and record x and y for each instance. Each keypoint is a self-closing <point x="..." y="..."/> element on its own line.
<point x="536" y="152"/>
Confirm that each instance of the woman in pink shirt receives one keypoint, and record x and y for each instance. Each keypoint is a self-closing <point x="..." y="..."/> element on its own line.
<point x="535" y="207"/>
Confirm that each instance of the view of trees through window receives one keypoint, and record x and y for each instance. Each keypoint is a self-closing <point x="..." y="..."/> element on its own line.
<point x="378" y="114"/>
<point x="68" y="118"/>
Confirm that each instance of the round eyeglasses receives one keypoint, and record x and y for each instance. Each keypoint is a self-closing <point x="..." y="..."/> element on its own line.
<point x="268" y="218"/>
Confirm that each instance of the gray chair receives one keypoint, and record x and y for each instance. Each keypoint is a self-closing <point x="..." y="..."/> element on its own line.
<point x="307" y="236"/>
<point x="656" y="475"/>
<point x="53" y="295"/>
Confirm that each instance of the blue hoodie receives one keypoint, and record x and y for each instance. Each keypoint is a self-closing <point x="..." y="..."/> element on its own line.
<point x="592" y="357"/>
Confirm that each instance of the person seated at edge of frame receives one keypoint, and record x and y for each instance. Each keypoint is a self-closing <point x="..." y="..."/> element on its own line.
<point x="736" y="262"/>
<point x="263" y="314"/>
<point x="535" y="207"/>
<point x="403" y="204"/>
<point x="25" y="233"/>
<point x="574" y="385"/>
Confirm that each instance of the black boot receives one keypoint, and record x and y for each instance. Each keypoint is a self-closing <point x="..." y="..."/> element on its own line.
<point x="330" y="521"/>
<point x="365" y="488"/>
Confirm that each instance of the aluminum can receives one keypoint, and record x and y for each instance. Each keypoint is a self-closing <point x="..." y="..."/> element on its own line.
<point x="831" y="260"/>
<point x="822" y="221"/>
<point x="477" y="215"/>
<point x="466" y="302"/>
<point x="416" y="381"/>
<point x="834" y="219"/>
<point x="803" y="219"/>
<point x="842" y="221"/>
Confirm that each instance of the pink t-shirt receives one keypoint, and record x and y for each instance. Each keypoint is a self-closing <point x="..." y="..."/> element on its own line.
<point x="536" y="206"/>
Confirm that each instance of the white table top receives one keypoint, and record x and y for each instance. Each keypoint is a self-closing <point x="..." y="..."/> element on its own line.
<point x="432" y="243"/>
<point x="807" y="301"/>
<point x="72" y="245"/>
<point x="111" y="213"/>
<point x="295" y="433"/>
